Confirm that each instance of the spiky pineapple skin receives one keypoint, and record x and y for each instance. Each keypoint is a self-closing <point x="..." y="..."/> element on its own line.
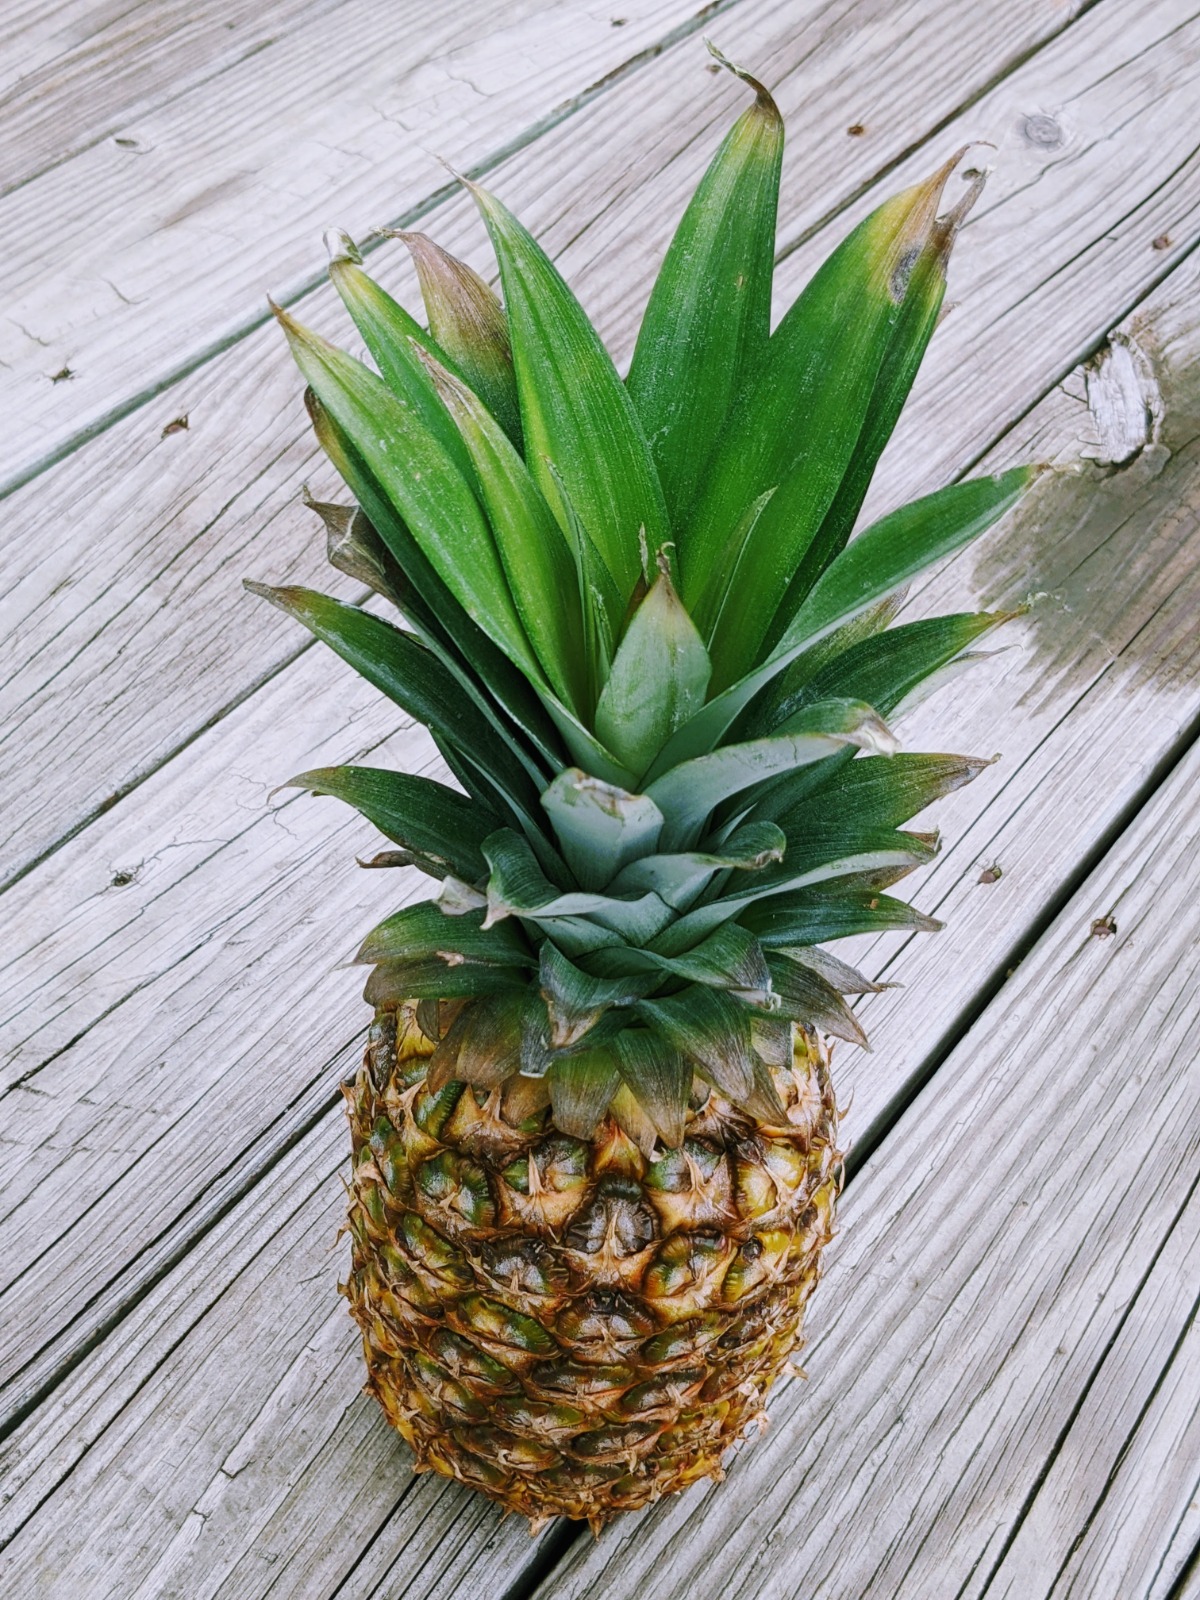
<point x="566" y="1326"/>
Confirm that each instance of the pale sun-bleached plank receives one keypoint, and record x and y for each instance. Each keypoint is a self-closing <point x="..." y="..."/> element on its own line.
<point x="167" y="243"/>
<point x="989" y="1254"/>
<point x="182" y="516"/>
<point x="1119" y="1511"/>
<point x="80" y="71"/>
<point x="257" y="1038"/>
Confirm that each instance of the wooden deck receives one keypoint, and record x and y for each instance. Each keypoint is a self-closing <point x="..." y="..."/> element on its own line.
<point x="1005" y="1363"/>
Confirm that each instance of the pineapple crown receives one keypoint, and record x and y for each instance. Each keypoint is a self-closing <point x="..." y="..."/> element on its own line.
<point x="643" y="640"/>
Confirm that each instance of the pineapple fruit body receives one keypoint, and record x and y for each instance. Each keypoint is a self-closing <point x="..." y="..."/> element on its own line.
<point x="566" y="1325"/>
<point x="595" y="1142"/>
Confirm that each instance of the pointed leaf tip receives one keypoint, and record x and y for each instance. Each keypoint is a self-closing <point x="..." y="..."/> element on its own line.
<point x="765" y="98"/>
<point x="339" y="246"/>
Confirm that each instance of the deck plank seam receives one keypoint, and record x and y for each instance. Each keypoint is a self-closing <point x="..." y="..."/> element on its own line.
<point x="1085" y="1390"/>
<point x="110" y="131"/>
<point x="1171" y="264"/>
<point x="990" y="986"/>
<point x="252" y="323"/>
<point x="172" y="1258"/>
<point x="9" y="1424"/>
<point x="910" y="150"/>
<point x="1189" y="1570"/>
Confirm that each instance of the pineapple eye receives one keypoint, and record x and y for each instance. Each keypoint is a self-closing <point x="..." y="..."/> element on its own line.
<point x="463" y="1359"/>
<point x="525" y="1265"/>
<point x="605" y="1323"/>
<point x="491" y="1320"/>
<point x="616" y="1219"/>
<point x="457" y="1189"/>
<point x="431" y="1111"/>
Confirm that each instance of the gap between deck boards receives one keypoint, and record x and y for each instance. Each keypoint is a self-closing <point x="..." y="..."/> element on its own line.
<point x="407" y="219"/>
<point x="890" y="1117"/>
<point x="523" y="1587"/>
<point x="529" y="136"/>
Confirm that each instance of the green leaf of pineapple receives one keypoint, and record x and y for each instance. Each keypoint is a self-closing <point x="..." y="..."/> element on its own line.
<point x="687" y="794"/>
<point x="599" y="826"/>
<point x="423" y="930"/>
<point x="708" y="317"/>
<point x="885" y="793"/>
<point x="896" y="852"/>
<point x="575" y="411"/>
<point x="898" y="547"/>
<point x="423" y="477"/>
<point x="681" y="878"/>
<point x="659" y="1076"/>
<point x="844" y="978"/>
<point x="415" y="679"/>
<point x="882" y="668"/>
<point x="576" y="1000"/>
<point x="518" y="887"/>
<point x="468" y="322"/>
<point x="658" y="677"/>
<point x="919" y="313"/>
<point x="881" y="560"/>
<point x="433" y="612"/>
<point x="796" y="425"/>
<point x="537" y="560"/>
<point x="806" y="997"/>
<point x="812" y="916"/>
<point x="441" y="828"/>
<point x="731" y="958"/>
<point x="580" y="1090"/>
<point x="712" y="1031"/>
<point x="393" y="337"/>
<point x="392" y="983"/>
<point x="483" y="1044"/>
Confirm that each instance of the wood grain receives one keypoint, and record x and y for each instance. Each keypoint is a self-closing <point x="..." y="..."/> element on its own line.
<point x="182" y="516"/>
<point x="1119" y="1510"/>
<point x="996" y="1256"/>
<point x="170" y="231"/>
<point x="79" y="72"/>
<point x="167" y="1059"/>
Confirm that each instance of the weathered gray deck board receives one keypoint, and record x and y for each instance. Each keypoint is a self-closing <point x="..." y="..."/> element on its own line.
<point x="95" y="67"/>
<point x="105" y="969"/>
<point x="167" y="1168"/>
<point x="994" y="1254"/>
<point x="171" y="242"/>
<point x="176" y="520"/>
<point x="1054" y="818"/>
<point x="1119" y="1510"/>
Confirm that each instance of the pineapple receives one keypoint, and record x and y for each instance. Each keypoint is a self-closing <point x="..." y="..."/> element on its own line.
<point x="595" y="1141"/>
